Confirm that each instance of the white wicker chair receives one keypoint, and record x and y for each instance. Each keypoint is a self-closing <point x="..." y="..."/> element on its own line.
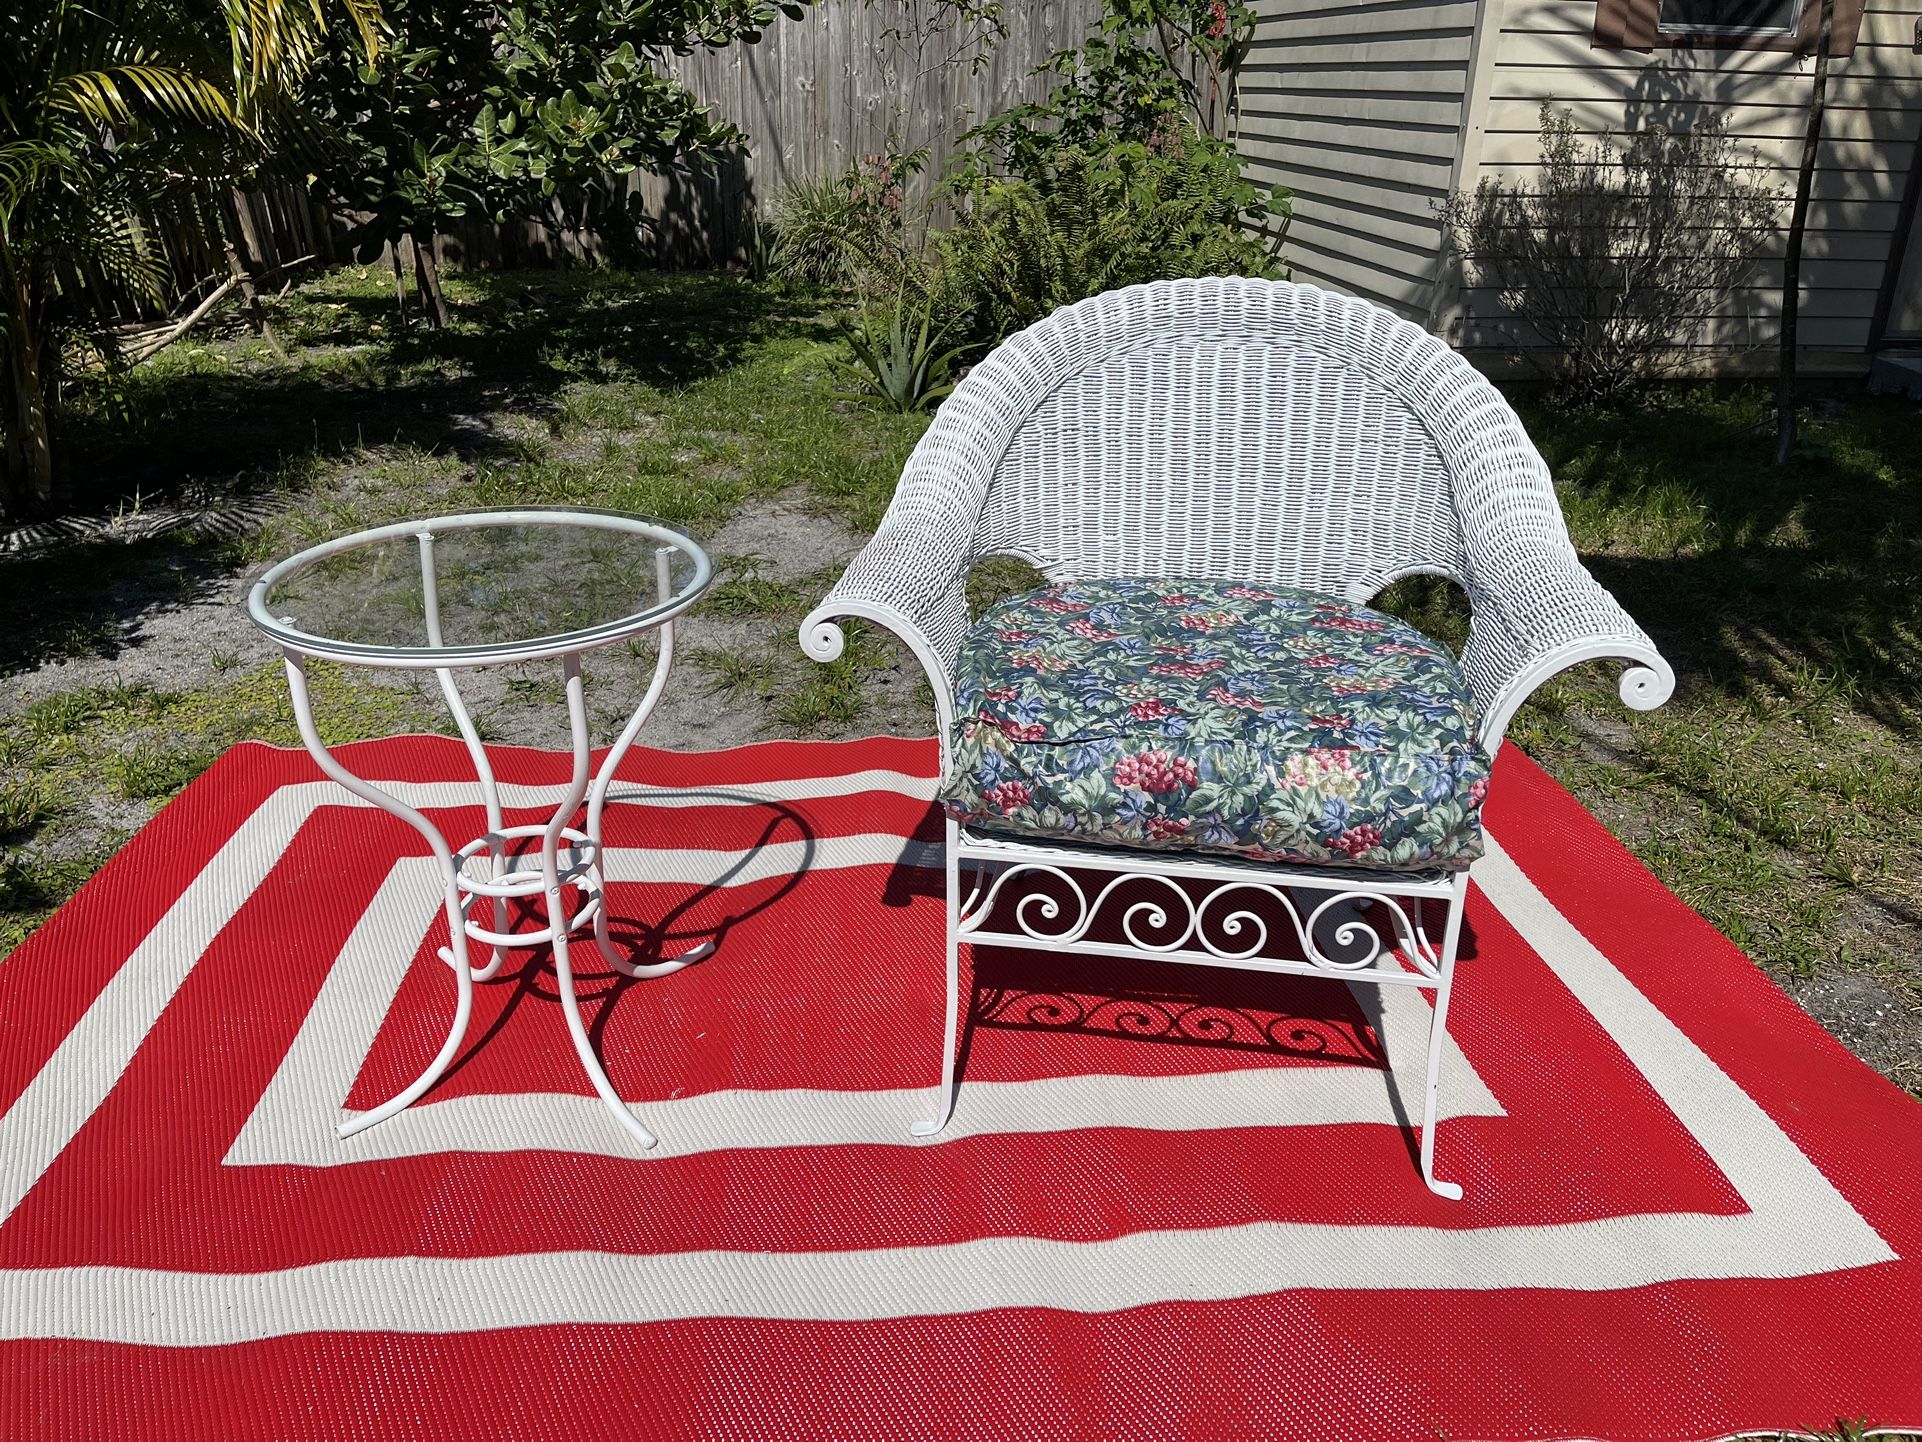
<point x="1253" y="431"/>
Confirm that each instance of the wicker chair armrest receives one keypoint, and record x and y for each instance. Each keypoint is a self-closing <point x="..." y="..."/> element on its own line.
<point x="911" y="579"/>
<point x="1536" y="612"/>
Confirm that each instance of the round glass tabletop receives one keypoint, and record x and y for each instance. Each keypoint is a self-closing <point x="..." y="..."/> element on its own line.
<point x="483" y="586"/>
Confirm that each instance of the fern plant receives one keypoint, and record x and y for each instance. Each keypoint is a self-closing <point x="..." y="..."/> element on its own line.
<point x="898" y="362"/>
<point x="1095" y="221"/>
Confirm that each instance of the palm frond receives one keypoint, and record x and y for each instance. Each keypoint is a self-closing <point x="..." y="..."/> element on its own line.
<point x="26" y="164"/>
<point x="102" y="96"/>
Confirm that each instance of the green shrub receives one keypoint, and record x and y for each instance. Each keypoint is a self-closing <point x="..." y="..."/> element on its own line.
<point x="1094" y="221"/>
<point x="848" y="230"/>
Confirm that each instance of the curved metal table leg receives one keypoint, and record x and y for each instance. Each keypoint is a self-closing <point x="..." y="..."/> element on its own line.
<point x="944" y="1098"/>
<point x="604" y="779"/>
<point x="456" y="921"/>
<point x="556" y="903"/>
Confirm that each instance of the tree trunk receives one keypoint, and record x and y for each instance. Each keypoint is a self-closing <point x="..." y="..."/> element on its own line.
<point x="262" y="252"/>
<point x="427" y="280"/>
<point x="400" y="278"/>
<point x="29" y="464"/>
<point x="1785" y="421"/>
<point x="256" y="312"/>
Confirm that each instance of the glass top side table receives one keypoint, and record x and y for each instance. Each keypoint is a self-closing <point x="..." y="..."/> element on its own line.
<point x="477" y="589"/>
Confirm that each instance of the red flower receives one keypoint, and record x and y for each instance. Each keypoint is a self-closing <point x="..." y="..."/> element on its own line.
<point x="1002" y="693"/>
<point x="1186" y="668"/>
<point x="1227" y="698"/>
<point x="1478" y="791"/>
<point x="1015" y="635"/>
<point x="1357" y="839"/>
<point x="1218" y="23"/>
<point x="1015" y="731"/>
<point x="1177" y="600"/>
<point x="1155" y="771"/>
<point x="1037" y="661"/>
<point x="1249" y="593"/>
<point x="1008" y="797"/>
<point x="1324" y="659"/>
<point x="1152" y="709"/>
<point x="1060" y="607"/>
<point x="1162" y="828"/>
<point x="1333" y="723"/>
<point x="1088" y="631"/>
<point x="1349" y="623"/>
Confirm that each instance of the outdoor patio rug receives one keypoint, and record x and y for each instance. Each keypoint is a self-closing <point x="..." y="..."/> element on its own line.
<point x="1170" y="1205"/>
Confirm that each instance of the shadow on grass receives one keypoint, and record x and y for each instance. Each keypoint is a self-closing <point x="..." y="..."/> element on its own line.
<point x="1752" y="577"/>
<point x="218" y="444"/>
<point x="1760" y="584"/>
<point x="518" y="339"/>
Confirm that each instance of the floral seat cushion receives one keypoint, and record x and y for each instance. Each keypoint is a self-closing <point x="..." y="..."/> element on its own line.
<point x="1217" y="716"/>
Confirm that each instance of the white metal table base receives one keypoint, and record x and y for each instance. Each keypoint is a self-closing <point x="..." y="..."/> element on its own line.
<point x="570" y="860"/>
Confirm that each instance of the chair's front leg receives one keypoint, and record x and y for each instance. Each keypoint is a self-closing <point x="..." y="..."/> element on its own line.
<point x="1437" y="1035"/>
<point x="951" y="1026"/>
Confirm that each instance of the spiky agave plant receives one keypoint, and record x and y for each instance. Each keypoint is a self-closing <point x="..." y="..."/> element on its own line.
<point x="898" y="362"/>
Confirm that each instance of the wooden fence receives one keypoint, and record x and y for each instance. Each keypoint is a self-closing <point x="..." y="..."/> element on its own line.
<point x="850" y="78"/>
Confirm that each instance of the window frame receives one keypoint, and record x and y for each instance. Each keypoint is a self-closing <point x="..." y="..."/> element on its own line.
<point x="1781" y="32"/>
<point x="1636" y="25"/>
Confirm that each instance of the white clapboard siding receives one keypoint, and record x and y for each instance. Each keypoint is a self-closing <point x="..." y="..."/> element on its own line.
<point x="1357" y="108"/>
<point x="1543" y="50"/>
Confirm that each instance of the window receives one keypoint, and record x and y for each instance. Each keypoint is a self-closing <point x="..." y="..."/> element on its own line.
<point x="1707" y="26"/>
<point x="1728" y="17"/>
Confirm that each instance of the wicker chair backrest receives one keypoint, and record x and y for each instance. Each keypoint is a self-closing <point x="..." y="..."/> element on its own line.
<point x="1243" y="429"/>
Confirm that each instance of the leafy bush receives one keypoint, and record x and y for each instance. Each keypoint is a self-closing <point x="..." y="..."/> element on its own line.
<point x="1149" y="71"/>
<point x="848" y="230"/>
<point x="1616" y="261"/>
<point x="1093" y="221"/>
<point x="1124" y="172"/>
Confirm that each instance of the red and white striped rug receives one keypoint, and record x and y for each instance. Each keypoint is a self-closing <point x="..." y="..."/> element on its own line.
<point x="1690" y="1213"/>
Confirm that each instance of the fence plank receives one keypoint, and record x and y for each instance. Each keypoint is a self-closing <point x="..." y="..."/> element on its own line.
<point x="850" y="78"/>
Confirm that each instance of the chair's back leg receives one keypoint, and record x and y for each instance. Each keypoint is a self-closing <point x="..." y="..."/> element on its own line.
<point x="951" y="1027"/>
<point x="1437" y="1034"/>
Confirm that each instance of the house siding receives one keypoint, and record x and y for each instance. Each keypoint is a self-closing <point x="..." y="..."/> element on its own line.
<point x="1543" y="51"/>
<point x="1358" y="108"/>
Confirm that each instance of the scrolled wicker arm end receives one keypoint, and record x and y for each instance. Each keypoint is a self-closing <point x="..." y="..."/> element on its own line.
<point x="1537" y="622"/>
<point x="889" y="584"/>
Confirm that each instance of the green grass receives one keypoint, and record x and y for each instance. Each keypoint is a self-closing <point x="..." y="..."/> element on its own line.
<point x="675" y="396"/>
<point x="1777" y="792"/>
<point x="743" y="591"/>
<point x="86" y="766"/>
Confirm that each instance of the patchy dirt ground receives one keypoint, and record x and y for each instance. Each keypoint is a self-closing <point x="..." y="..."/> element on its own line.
<point x="1876" y="1012"/>
<point x="175" y="636"/>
